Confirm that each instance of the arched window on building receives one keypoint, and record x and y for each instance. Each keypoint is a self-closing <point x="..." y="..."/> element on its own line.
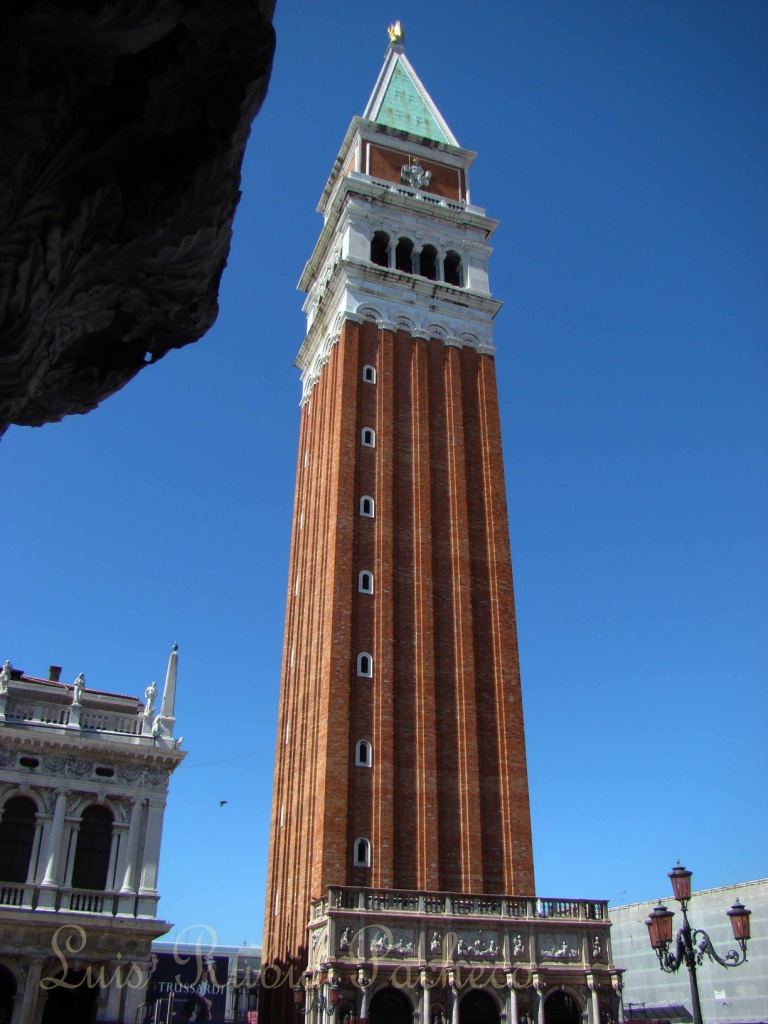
<point x="365" y="582"/>
<point x="362" y="858"/>
<point x="380" y="248"/>
<point x="94" y="840"/>
<point x="428" y="262"/>
<point x="369" y="374"/>
<point x="366" y="506"/>
<point x="363" y="754"/>
<point x="17" y="836"/>
<point x="365" y="665"/>
<point x="368" y="437"/>
<point x="404" y="256"/>
<point x="452" y="269"/>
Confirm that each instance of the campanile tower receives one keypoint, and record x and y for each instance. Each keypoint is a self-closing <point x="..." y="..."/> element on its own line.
<point x="400" y="763"/>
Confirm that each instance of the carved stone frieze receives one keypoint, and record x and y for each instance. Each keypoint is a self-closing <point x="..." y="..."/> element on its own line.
<point x="143" y="775"/>
<point x="124" y="129"/>
<point x="558" y="946"/>
<point x="477" y="943"/>
<point x="392" y="942"/>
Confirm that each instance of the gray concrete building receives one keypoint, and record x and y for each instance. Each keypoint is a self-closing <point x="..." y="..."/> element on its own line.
<point x="733" y="995"/>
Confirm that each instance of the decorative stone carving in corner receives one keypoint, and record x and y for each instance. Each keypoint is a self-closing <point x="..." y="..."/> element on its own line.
<point x="124" y="128"/>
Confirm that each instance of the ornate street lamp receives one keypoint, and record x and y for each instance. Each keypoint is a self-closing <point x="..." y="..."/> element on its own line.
<point x="691" y="944"/>
<point x="319" y="1001"/>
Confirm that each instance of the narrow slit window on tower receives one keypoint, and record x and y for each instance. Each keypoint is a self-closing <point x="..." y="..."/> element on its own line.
<point x="452" y="269"/>
<point x="365" y="582"/>
<point x="368" y="437"/>
<point x="428" y="266"/>
<point x="380" y="248"/>
<point x="369" y="374"/>
<point x="365" y="665"/>
<point x="362" y="853"/>
<point x="363" y="754"/>
<point x="404" y="256"/>
<point x="366" y="506"/>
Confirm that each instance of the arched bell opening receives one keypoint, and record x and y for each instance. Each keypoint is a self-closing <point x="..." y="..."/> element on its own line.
<point x="404" y="256"/>
<point x="452" y="273"/>
<point x="428" y="262"/>
<point x="380" y="248"/>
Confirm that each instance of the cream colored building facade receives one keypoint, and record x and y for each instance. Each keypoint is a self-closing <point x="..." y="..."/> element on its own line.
<point x="83" y="784"/>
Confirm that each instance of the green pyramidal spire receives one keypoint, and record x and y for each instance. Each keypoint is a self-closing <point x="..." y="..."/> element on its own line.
<point x="400" y="101"/>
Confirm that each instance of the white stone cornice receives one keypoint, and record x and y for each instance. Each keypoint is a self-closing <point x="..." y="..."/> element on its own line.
<point x="380" y="294"/>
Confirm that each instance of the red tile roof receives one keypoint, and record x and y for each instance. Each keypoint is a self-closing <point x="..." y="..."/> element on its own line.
<point x="69" y="686"/>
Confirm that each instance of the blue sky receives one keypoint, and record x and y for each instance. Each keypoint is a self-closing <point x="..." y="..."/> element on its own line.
<point x="622" y="145"/>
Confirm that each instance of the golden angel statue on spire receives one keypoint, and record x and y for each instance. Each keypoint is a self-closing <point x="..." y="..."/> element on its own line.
<point x="396" y="34"/>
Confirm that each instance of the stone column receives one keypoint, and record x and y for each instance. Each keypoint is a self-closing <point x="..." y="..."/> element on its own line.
<point x="115" y="972"/>
<point x="595" y="998"/>
<point x="71" y="847"/>
<point x="32" y="868"/>
<point x="35" y="850"/>
<point x="114" y="848"/>
<point x="425" y="994"/>
<point x="127" y="903"/>
<point x="365" y="988"/>
<point x="538" y="986"/>
<point x="46" y="821"/>
<point x="617" y="983"/>
<point x="512" y="1016"/>
<point x="25" y="1014"/>
<point x="50" y="881"/>
<point x="151" y="859"/>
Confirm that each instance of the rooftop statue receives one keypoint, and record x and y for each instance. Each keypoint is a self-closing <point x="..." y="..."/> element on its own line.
<point x="396" y="33"/>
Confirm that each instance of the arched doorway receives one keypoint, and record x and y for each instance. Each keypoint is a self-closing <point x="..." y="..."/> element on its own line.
<point x="389" y="1006"/>
<point x="561" y="1008"/>
<point x="478" y="1007"/>
<point x="7" y="992"/>
<point x="75" y="1005"/>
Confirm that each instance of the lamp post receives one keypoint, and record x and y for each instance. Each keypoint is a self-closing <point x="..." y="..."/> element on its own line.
<point x="320" y="1001"/>
<point x="692" y="943"/>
